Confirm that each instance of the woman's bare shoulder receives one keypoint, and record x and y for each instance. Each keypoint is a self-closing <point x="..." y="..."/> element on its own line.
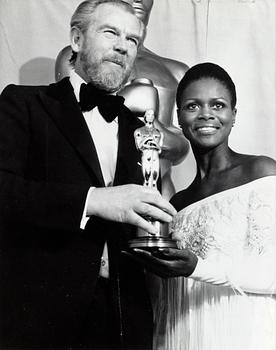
<point x="260" y="166"/>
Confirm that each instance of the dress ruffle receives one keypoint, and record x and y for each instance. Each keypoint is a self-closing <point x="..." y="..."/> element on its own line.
<point x="229" y="302"/>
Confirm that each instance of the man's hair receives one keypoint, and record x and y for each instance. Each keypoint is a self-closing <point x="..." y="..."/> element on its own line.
<point x="206" y="70"/>
<point x="81" y="18"/>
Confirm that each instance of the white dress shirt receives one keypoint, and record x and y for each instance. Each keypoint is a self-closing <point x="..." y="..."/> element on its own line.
<point x="105" y="138"/>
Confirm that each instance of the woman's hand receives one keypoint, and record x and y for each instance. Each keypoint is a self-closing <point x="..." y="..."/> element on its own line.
<point x="166" y="262"/>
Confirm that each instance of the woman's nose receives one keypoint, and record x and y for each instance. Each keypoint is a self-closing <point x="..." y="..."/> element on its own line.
<point x="206" y="112"/>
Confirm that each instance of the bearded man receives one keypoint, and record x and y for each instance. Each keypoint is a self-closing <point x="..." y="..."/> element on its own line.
<point x="70" y="187"/>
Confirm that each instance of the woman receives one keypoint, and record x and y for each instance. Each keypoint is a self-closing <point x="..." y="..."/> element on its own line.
<point x="225" y="229"/>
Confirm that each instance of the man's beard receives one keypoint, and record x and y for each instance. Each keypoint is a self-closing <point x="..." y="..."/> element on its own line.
<point x="104" y="78"/>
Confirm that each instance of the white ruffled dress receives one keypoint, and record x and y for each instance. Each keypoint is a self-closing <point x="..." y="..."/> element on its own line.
<point x="229" y="302"/>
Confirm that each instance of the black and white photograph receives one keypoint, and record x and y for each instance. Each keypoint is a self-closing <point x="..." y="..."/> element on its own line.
<point x="137" y="175"/>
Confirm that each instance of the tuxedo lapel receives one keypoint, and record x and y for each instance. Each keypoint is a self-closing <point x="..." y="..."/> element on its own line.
<point x="61" y="105"/>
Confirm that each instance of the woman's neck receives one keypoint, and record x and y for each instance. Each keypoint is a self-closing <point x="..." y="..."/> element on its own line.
<point x="213" y="162"/>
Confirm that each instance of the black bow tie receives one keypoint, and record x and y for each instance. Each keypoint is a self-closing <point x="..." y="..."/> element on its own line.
<point x="109" y="105"/>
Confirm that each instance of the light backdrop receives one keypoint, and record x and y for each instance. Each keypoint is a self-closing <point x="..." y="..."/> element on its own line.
<point x="237" y="34"/>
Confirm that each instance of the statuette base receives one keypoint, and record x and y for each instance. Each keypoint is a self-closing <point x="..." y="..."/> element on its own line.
<point x="149" y="243"/>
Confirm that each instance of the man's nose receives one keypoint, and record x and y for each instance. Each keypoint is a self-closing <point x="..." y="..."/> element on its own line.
<point x="121" y="45"/>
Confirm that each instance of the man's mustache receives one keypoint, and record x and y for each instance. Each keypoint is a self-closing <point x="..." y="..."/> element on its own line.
<point x="117" y="60"/>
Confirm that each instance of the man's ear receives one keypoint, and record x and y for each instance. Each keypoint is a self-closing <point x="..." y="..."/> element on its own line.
<point x="76" y="39"/>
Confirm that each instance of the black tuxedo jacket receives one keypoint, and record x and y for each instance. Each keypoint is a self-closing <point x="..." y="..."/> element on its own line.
<point x="49" y="266"/>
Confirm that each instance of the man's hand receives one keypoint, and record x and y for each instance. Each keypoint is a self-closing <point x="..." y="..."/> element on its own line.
<point x="166" y="262"/>
<point x="130" y="204"/>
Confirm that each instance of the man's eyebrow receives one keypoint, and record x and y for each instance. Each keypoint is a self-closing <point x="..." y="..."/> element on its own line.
<point x="109" y="26"/>
<point x="117" y="30"/>
<point x="112" y="26"/>
<point x="134" y="36"/>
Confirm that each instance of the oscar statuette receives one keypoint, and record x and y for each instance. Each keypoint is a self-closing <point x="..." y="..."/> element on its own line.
<point x="148" y="140"/>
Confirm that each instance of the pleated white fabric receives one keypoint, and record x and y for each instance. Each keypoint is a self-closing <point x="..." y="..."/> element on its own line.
<point x="229" y="302"/>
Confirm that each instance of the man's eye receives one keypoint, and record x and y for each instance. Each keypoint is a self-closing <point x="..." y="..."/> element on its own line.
<point x="110" y="32"/>
<point x="133" y="41"/>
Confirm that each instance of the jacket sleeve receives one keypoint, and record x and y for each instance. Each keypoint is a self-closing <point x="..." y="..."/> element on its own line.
<point x="23" y="199"/>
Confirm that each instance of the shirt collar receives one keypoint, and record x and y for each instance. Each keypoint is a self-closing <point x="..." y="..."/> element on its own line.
<point x="76" y="82"/>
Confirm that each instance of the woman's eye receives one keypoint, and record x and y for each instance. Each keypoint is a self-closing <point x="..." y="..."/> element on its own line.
<point x="218" y="105"/>
<point x="191" y="107"/>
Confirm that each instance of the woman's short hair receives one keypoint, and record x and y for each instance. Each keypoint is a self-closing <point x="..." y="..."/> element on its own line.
<point x="206" y="70"/>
